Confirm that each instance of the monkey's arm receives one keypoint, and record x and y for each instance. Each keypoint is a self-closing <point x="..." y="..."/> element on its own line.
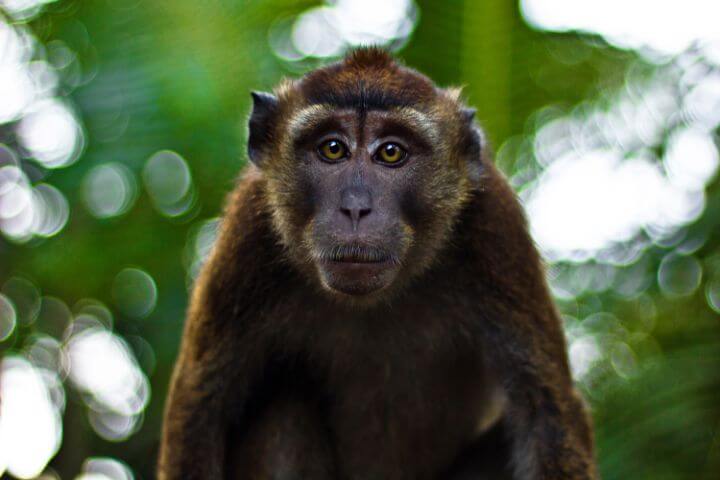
<point x="549" y="430"/>
<point x="221" y="352"/>
<point x="203" y="389"/>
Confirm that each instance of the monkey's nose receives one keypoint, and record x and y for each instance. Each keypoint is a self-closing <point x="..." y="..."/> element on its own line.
<point x="355" y="202"/>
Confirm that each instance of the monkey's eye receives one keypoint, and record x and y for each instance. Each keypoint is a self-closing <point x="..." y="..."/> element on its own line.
<point x="391" y="153"/>
<point x="333" y="150"/>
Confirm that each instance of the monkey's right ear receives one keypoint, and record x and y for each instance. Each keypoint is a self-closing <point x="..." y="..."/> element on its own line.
<point x="474" y="142"/>
<point x="260" y="126"/>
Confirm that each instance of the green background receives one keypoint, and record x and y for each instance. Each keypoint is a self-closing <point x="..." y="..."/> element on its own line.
<point x="177" y="76"/>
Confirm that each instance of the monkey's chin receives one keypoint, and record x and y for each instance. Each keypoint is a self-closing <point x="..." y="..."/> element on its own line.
<point x="357" y="279"/>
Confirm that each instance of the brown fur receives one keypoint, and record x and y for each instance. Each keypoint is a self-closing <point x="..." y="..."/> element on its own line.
<point x="456" y="370"/>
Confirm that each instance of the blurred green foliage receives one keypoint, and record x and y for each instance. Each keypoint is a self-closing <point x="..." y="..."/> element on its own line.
<point x="177" y="75"/>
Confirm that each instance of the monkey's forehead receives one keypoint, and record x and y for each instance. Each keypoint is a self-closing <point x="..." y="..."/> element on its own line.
<point x="366" y="80"/>
<point x="365" y="91"/>
<point x="309" y="120"/>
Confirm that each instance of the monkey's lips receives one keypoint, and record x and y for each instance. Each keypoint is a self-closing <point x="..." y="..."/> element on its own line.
<point x="357" y="270"/>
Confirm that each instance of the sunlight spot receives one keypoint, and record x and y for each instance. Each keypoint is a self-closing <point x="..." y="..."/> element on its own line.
<point x="169" y="182"/>
<point x="51" y="210"/>
<point x="692" y="158"/>
<point x="26" y="211"/>
<point x="51" y="133"/>
<point x="665" y="27"/>
<point x="109" y="190"/>
<point x="104" y="368"/>
<point x="601" y="192"/>
<point x="24" y="9"/>
<point x="328" y="30"/>
<point x="30" y="423"/>
<point x="104" y="468"/>
<point x="45" y="352"/>
<point x="583" y="203"/>
<point x="584" y="353"/>
<point x="16" y="86"/>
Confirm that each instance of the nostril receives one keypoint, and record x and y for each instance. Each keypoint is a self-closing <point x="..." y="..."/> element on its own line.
<point x="356" y="203"/>
<point x="355" y="213"/>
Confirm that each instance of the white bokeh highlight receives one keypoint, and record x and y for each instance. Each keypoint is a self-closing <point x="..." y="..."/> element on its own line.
<point x="102" y="365"/>
<point x="46" y="129"/>
<point x="109" y="190"/>
<point x="30" y="420"/>
<point x="51" y="134"/>
<point x="24" y="9"/>
<point x="169" y="183"/>
<point x="600" y="186"/>
<point x="105" y="468"/>
<point x="658" y="26"/>
<point x="328" y="30"/>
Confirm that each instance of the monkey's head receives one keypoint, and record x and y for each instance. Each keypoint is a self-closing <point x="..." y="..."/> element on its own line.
<point x="368" y="165"/>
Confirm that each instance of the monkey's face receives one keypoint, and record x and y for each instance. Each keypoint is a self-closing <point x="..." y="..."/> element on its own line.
<point x="367" y="168"/>
<point x="365" y="198"/>
<point x="363" y="177"/>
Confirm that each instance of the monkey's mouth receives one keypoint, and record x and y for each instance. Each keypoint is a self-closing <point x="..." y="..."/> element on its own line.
<point x="356" y="253"/>
<point x="356" y="269"/>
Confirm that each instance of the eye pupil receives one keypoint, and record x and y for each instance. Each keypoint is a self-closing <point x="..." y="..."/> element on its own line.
<point x="391" y="153"/>
<point x="332" y="150"/>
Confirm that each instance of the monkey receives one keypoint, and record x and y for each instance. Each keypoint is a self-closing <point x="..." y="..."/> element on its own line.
<point x="374" y="306"/>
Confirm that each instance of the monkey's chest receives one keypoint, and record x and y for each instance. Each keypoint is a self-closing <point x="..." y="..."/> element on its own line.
<point x="407" y="416"/>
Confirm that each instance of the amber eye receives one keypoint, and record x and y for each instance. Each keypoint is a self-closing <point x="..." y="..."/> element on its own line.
<point x="333" y="150"/>
<point x="391" y="153"/>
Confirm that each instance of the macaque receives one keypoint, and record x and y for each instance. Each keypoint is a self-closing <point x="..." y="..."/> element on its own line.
<point x="374" y="306"/>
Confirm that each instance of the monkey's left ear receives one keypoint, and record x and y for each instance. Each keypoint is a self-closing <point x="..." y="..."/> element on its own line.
<point x="260" y="126"/>
<point x="474" y="144"/>
<point x="469" y="114"/>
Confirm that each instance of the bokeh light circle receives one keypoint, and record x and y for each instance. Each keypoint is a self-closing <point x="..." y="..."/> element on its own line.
<point x="8" y="318"/>
<point x="169" y="183"/>
<point x="25" y="297"/>
<point x="105" y="468"/>
<point x="679" y="275"/>
<point x="109" y="190"/>
<point x="51" y="210"/>
<point x="135" y="292"/>
<point x="51" y="133"/>
<point x="712" y="293"/>
<point x="30" y="422"/>
<point x="102" y="365"/>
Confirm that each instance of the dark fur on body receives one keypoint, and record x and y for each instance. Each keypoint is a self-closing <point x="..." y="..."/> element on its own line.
<point x="455" y="367"/>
